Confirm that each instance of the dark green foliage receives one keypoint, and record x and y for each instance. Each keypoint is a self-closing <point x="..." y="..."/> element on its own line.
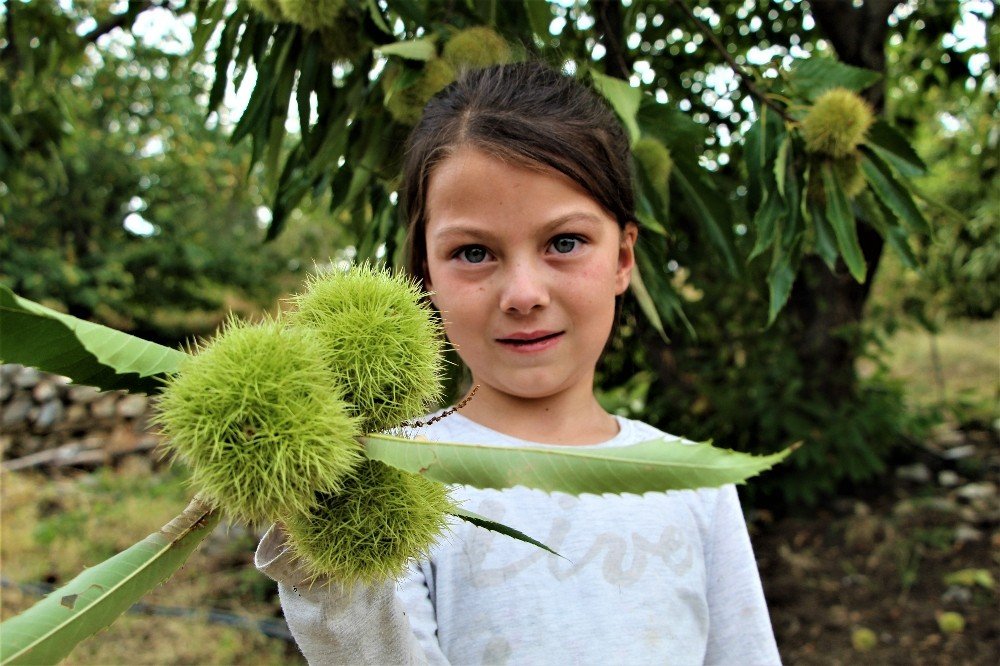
<point x="752" y="393"/>
<point x="88" y="142"/>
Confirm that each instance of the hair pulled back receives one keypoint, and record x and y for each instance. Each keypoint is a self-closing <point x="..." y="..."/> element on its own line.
<point x="524" y="113"/>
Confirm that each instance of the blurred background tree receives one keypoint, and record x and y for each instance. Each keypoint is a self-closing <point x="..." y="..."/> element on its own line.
<point x="123" y="204"/>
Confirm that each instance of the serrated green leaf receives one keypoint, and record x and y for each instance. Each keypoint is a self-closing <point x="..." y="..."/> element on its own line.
<point x="87" y="353"/>
<point x="655" y="465"/>
<point x="49" y="630"/>
<point x="413" y="49"/>
<point x="650" y="253"/>
<point x="753" y="160"/>
<point x="780" y="280"/>
<point x="893" y="147"/>
<point x="826" y="243"/>
<point x="781" y="164"/>
<point x="708" y="206"/>
<point x="377" y="18"/>
<point x="813" y="76"/>
<point x="881" y="219"/>
<point x="841" y="218"/>
<point x="207" y="18"/>
<point x="307" y="82"/>
<point x="223" y="56"/>
<point x="765" y="224"/>
<point x="672" y="127"/>
<point x="500" y="528"/>
<point x="646" y="303"/>
<point x="762" y="143"/>
<point x="624" y="100"/>
<point x="273" y="74"/>
<point x="892" y="193"/>
<point x="539" y="17"/>
<point x="647" y="221"/>
<point x="793" y="224"/>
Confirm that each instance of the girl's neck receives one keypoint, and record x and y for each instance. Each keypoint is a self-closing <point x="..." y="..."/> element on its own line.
<point x="560" y="419"/>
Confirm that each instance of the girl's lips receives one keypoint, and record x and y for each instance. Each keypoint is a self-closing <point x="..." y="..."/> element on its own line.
<point x="531" y="344"/>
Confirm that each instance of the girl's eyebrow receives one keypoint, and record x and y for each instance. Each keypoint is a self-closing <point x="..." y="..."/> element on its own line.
<point x="466" y="231"/>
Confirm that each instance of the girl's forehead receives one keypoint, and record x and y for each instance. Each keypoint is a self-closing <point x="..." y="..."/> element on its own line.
<point x="473" y="184"/>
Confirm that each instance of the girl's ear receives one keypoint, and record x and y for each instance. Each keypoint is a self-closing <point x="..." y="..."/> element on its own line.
<point x="626" y="257"/>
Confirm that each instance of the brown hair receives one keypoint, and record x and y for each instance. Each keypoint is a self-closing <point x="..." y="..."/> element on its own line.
<point x="526" y="113"/>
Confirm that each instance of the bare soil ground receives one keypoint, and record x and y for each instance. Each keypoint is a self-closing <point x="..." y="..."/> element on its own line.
<point x="877" y="578"/>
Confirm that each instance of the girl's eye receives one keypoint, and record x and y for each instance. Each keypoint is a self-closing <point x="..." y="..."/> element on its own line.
<point x="565" y="244"/>
<point x="474" y="254"/>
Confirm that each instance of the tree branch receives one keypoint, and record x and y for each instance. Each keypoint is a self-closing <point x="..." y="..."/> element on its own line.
<point x="608" y="17"/>
<point x="135" y="7"/>
<point x="720" y="47"/>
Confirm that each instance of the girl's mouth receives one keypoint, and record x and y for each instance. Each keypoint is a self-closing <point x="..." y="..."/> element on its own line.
<point x="534" y="341"/>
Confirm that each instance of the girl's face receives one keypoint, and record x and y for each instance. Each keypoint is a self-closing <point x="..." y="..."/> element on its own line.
<point x="525" y="267"/>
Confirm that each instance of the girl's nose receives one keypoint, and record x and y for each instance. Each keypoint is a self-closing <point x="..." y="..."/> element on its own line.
<point x="523" y="289"/>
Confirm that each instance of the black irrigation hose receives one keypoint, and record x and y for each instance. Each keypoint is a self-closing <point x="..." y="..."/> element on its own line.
<point x="272" y="627"/>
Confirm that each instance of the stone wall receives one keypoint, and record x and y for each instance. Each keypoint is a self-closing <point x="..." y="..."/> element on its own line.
<point x="45" y="420"/>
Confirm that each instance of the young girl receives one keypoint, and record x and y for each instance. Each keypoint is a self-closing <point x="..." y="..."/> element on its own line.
<point x="519" y="198"/>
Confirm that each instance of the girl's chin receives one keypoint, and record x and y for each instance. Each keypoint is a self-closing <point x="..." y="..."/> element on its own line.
<point x="527" y="388"/>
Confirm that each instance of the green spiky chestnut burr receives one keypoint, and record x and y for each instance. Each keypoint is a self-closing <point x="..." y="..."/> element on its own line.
<point x="380" y="339"/>
<point x="381" y="519"/>
<point x="269" y="9"/>
<point x="312" y="14"/>
<point x="407" y="105"/>
<point x="476" y="47"/>
<point x="260" y="421"/>
<point x="848" y="170"/>
<point x="836" y="124"/>
<point x="344" y="39"/>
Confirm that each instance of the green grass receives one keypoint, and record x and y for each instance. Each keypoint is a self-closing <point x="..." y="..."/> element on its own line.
<point x="957" y="369"/>
<point x="52" y="528"/>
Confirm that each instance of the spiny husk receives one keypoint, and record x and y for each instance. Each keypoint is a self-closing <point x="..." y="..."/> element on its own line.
<point x="343" y="39"/>
<point x="852" y="179"/>
<point x="379" y="338"/>
<point x="383" y="518"/>
<point x="848" y="169"/>
<point x="269" y="9"/>
<point x="407" y="105"/>
<point x="837" y="122"/>
<point x="260" y="421"/>
<point x="312" y="14"/>
<point x="655" y="160"/>
<point x="476" y="47"/>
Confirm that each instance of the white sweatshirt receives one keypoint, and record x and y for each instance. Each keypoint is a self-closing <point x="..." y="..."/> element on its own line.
<point x="661" y="578"/>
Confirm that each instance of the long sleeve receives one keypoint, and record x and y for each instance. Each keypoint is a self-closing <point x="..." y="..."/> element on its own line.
<point x="739" y="625"/>
<point x="415" y="594"/>
<point x="334" y="625"/>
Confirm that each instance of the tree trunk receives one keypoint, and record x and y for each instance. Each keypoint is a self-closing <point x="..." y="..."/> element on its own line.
<point x="608" y="17"/>
<point x="827" y="307"/>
